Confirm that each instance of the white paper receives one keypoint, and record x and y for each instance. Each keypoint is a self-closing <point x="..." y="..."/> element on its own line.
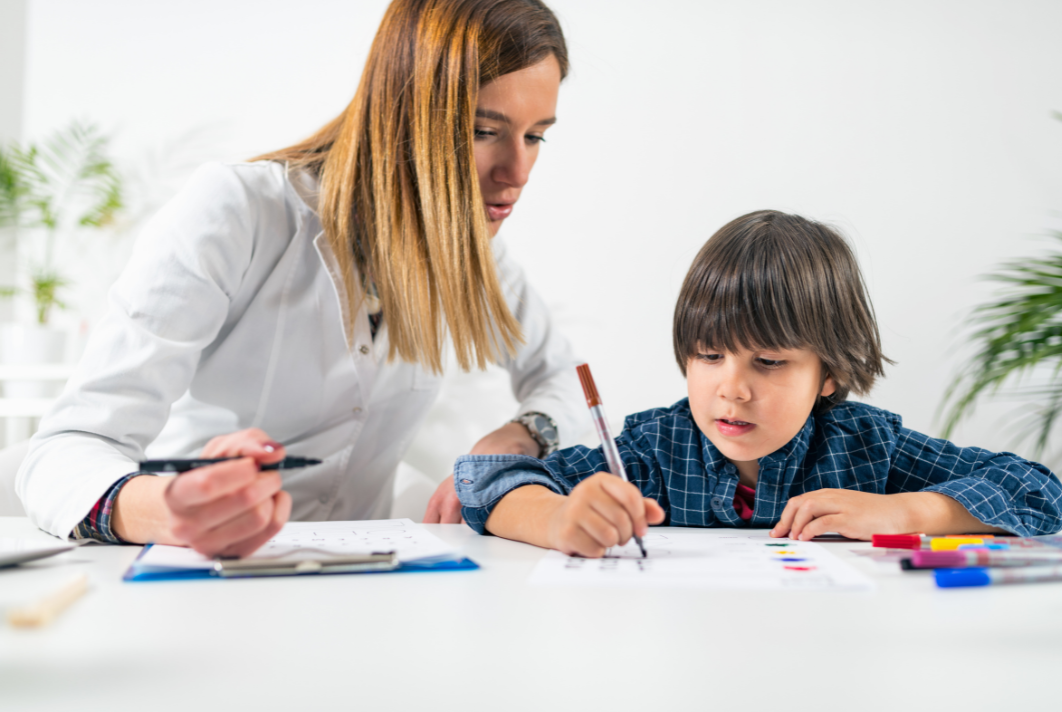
<point x="706" y="558"/>
<point x="316" y="539"/>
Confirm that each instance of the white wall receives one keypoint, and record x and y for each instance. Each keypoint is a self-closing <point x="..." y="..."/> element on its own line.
<point x="922" y="129"/>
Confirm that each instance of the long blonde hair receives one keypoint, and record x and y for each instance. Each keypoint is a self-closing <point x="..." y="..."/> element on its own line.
<point x="399" y="193"/>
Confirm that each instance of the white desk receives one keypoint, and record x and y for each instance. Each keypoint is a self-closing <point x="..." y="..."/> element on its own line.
<point x="485" y="640"/>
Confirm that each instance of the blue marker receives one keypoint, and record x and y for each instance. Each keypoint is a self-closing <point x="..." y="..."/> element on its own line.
<point x="956" y="578"/>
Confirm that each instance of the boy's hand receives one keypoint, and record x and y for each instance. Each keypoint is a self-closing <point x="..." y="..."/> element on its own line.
<point x="600" y="512"/>
<point x="856" y="515"/>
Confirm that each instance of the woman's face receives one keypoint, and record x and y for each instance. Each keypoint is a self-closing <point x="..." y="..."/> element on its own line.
<point x="513" y="113"/>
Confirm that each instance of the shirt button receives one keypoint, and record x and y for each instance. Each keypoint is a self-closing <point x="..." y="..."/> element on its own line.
<point x="323" y="499"/>
<point x="364" y="349"/>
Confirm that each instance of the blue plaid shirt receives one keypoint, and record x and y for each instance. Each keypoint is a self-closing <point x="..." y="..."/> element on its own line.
<point x="852" y="446"/>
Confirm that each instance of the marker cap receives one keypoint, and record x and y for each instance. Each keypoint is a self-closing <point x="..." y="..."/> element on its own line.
<point x="955" y="578"/>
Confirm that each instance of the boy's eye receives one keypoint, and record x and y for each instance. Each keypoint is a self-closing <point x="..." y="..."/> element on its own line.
<point x="770" y="362"/>
<point x="532" y="138"/>
<point x="710" y="358"/>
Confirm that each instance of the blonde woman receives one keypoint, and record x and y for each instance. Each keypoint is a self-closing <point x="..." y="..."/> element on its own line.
<point x="307" y="297"/>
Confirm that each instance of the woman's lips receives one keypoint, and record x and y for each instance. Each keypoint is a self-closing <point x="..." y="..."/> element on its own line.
<point x="499" y="211"/>
<point x="733" y="428"/>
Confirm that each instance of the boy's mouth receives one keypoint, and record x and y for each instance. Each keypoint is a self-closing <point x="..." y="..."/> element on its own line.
<point x="729" y="426"/>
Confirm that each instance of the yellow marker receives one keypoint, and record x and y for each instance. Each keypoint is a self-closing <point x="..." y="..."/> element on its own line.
<point x="952" y="543"/>
<point x="45" y="610"/>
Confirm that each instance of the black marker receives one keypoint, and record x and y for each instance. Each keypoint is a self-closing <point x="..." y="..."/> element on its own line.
<point x="288" y="463"/>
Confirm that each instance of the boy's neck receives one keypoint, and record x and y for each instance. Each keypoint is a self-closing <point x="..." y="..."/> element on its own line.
<point x="748" y="472"/>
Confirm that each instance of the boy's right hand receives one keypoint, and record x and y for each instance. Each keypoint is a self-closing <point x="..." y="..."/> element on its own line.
<point x="601" y="511"/>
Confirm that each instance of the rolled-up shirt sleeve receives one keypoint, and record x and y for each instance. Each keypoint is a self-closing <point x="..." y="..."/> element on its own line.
<point x="481" y="481"/>
<point x="999" y="489"/>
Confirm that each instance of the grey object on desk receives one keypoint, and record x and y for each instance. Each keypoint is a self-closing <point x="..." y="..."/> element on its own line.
<point x="19" y="551"/>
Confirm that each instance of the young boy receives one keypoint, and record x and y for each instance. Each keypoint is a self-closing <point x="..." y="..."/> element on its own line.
<point x="773" y="329"/>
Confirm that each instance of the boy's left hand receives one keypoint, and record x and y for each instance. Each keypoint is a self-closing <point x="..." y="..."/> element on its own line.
<point x="856" y="515"/>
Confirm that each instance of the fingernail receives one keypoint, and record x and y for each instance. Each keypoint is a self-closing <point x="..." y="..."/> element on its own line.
<point x="271" y="446"/>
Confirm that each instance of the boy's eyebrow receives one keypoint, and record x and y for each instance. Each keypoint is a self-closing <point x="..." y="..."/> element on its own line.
<point x="499" y="116"/>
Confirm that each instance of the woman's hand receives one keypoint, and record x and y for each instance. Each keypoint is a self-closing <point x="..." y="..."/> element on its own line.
<point x="510" y="439"/>
<point x="860" y="515"/>
<point x="227" y="509"/>
<point x="602" y="511"/>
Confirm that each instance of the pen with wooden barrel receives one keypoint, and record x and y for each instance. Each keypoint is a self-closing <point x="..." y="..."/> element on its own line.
<point x="608" y="445"/>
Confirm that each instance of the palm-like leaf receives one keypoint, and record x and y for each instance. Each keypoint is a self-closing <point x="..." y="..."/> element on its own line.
<point x="11" y="190"/>
<point x="1019" y="333"/>
<point x="69" y="180"/>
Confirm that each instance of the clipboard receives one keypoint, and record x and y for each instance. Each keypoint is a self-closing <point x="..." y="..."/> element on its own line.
<point x="311" y="548"/>
<point x="302" y="566"/>
<point x="138" y="573"/>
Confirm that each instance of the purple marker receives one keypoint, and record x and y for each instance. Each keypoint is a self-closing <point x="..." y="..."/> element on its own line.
<point x="981" y="557"/>
<point x="955" y="578"/>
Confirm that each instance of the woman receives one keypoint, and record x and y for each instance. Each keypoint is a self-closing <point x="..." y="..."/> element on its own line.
<point x="306" y="299"/>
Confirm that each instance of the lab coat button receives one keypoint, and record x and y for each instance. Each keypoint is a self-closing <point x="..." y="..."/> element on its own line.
<point x="323" y="499"/>
<point x="357" y="410"/>
<point x="364" y="349"/>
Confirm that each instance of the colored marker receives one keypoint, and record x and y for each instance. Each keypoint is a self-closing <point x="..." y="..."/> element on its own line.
<point x="608" y="445"/>
<point x="922" y="541"/>
<point x="982" y="557"/>
<point x="179" y="466"/>
<point x="957" y="578"/>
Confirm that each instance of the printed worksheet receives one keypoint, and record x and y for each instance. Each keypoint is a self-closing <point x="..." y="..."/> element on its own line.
<point x="314" y="539"/>
<point x="678" y="557"/>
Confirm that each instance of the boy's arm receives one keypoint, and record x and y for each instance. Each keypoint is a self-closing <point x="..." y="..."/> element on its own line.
<point x="600" y="512"/>
<point x="531" y="497"/>
<point x="935" y="487"/>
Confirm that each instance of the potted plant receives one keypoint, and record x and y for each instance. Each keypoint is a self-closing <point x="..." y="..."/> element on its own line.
<point x="51" y="189"/>
<point x="1018" y="337"/>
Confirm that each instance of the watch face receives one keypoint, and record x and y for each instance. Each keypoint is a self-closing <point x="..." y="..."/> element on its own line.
<point x="544" y="428"/>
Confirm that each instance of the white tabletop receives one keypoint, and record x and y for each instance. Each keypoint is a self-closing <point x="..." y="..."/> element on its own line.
<point x="486" y="640"/>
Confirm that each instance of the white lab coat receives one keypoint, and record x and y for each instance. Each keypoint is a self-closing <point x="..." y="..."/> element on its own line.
<point x="232" y="314"/>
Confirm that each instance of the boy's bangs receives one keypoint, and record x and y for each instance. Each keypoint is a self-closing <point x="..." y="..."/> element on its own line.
<point x="745" y="303"/>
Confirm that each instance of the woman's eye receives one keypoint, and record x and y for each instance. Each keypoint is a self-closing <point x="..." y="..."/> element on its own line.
<point x="483" y="133"/>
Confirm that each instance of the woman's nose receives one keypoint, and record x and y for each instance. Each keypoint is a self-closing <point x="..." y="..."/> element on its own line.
<point x="514" y="166"/>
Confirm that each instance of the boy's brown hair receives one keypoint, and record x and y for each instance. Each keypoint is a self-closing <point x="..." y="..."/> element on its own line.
<point x="769" y="280"/>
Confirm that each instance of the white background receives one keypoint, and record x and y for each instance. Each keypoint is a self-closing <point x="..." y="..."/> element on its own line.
<point x="922" y="129"/>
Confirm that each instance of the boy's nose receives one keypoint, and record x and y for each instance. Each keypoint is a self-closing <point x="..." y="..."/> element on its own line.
<point x="734" y="387"/>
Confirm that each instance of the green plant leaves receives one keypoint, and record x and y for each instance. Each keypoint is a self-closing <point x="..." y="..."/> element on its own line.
<point x="64" y="182"/>
<point x="1017" y="334"/>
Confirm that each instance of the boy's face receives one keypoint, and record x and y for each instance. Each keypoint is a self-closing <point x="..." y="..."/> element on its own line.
<point x="751" y="403"/>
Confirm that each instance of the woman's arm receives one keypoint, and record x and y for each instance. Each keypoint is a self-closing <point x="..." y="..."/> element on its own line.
<point x="169" y="304"/>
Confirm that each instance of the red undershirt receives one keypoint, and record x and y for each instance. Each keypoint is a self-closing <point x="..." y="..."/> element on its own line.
<point x="744" y="501"/>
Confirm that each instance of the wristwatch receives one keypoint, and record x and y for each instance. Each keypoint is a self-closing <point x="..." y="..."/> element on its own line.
<point x="543" y="431"/>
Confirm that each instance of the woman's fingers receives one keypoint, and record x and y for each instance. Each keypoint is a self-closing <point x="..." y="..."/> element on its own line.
<point x="218" y="511"/>
<point x="444" y="507"/>
<point x="248" y="526"/>
<point x="252" y="443"/>
<point x="207" y="484"/>
<point x="281" y="513"/>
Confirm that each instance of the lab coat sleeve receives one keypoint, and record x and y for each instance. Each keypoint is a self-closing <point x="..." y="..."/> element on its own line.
<point x="542" y="372"/>
<point x="169" y="304"/>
